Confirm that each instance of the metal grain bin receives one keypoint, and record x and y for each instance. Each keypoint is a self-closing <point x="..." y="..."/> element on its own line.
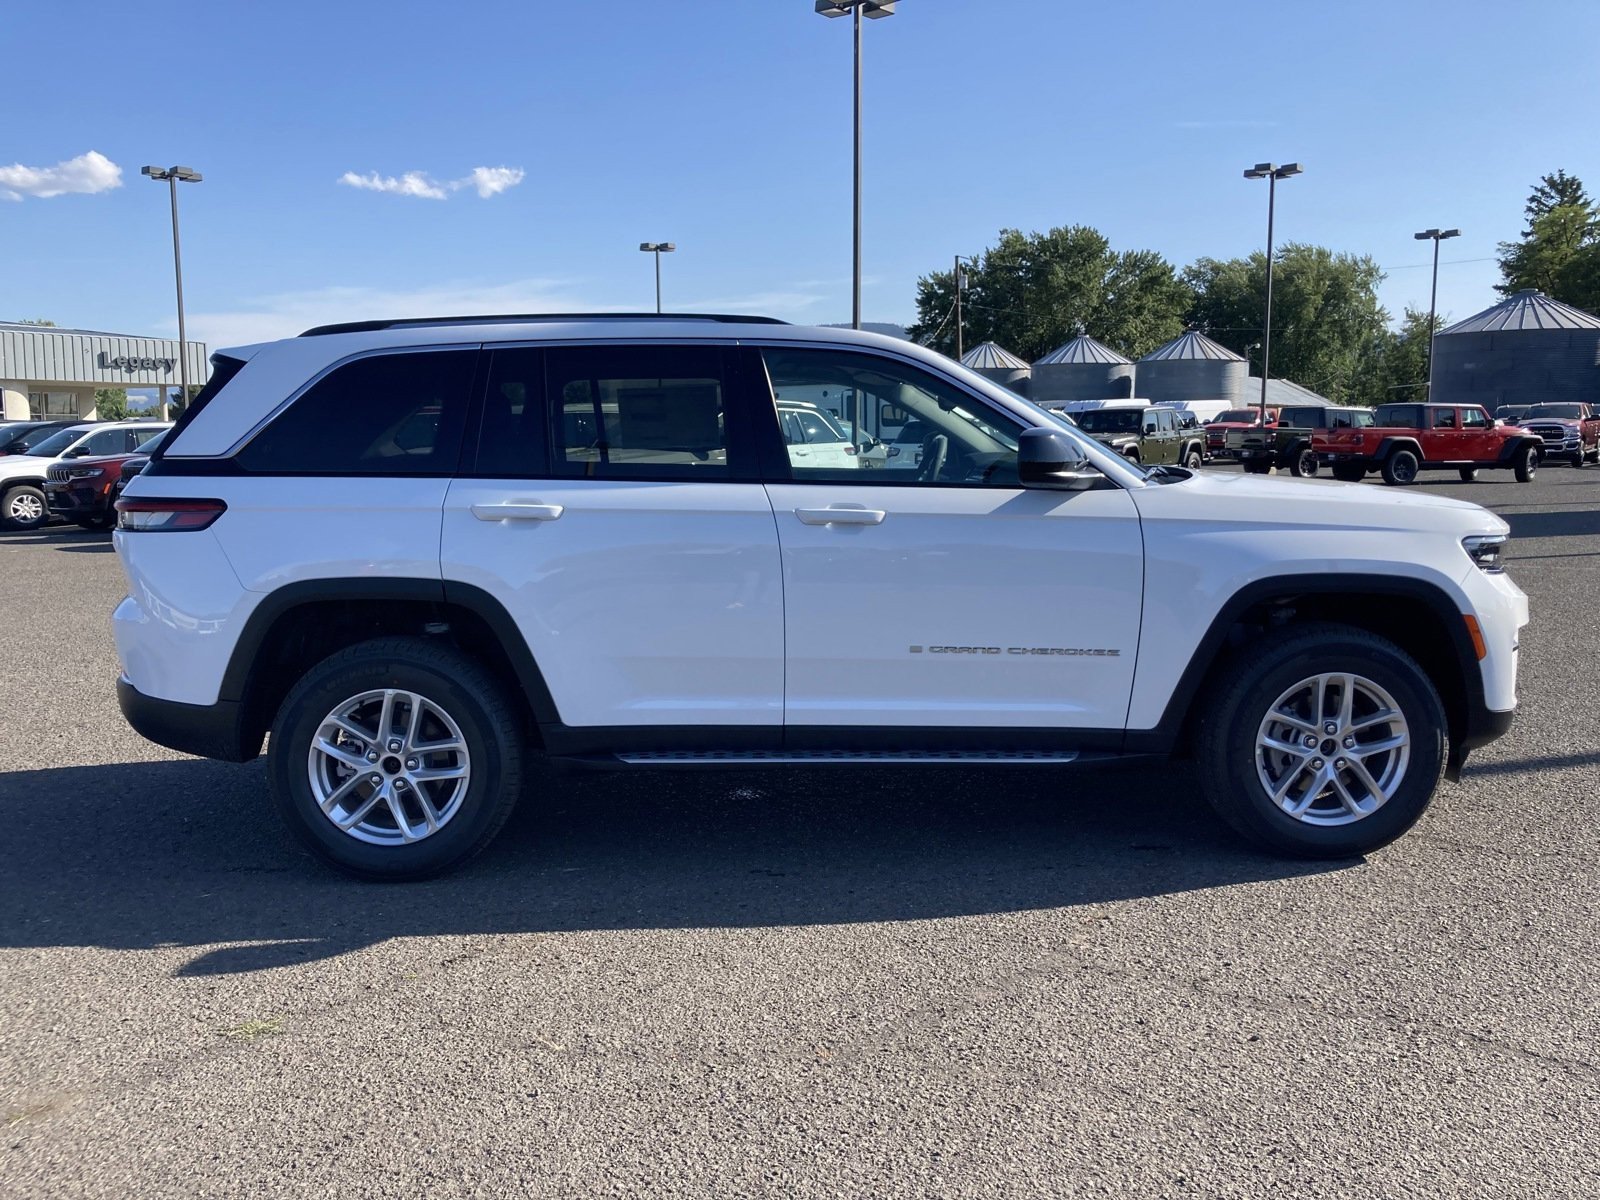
<point x="1193" y="367"/>
<point x="999" y="364"/>
<point x="1528" y="349"/>
<point x="1083" y="369"/>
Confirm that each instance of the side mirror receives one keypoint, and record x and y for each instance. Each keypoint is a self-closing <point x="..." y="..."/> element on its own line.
<point x="1047" y="458"/>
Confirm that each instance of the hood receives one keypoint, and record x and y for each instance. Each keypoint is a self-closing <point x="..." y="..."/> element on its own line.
<point x="1115" y="439"/>
<point x="1266" y="501"/>
<point x="13" y="466"/>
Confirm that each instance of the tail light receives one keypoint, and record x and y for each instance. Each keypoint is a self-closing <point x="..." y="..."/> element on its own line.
<point x="850" y="450"/>
<point x="152" y="514"/>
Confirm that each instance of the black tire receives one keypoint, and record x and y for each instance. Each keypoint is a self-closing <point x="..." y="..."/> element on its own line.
<point x="1304" y="465"/>
<point x="1349" y="472"/>
<point x="1256" y="466"/>
<point x="23" y="507"/>
<point x="1578" y="460"/>
<point x="1226" y="741"/>
<point x="1469" y="474"/>
<point x="1526" y="464"/>
<point x="96" y="524"/>
<point x="490" y="725"/>
<point x="1193" y="459"/>
<point x="1400" y="468"/>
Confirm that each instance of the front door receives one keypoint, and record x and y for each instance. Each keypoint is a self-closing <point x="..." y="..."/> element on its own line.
<point x="611" y="506"/>
<point x="946" y="596"/>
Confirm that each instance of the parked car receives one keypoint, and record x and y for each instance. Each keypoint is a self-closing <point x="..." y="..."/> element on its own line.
<point x="1145" y="435"/>
<point x="1570" y="432"/>
<point x="82" y="490"/>
<point x="131" y="467"/>
<point x="22" y="476"/>
<point x="815" y="439"/>
<point x="412" y="622"/>
<point x="1406" y="438"/>
<point x="19" y="436"/>
<point x="1288" y="444"/>
<point x="1230" y="420"/>
<point x="1511" y="414"/>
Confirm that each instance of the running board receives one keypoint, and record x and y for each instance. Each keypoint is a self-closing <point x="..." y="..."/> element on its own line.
<point x="762" y="758"/>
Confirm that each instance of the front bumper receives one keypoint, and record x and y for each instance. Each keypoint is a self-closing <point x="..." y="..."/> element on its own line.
<point x="208" y="730"/>
<point x="70" y="500"/>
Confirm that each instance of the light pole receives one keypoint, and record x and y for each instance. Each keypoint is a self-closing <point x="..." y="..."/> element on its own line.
<point x="959" y="278"/>
<point x="1271" y="172"/>
<point x="873" y="10"/>
<point x="1437" y="235"/>
<point x="174" y="176"/>
<point x="658" y="248"/>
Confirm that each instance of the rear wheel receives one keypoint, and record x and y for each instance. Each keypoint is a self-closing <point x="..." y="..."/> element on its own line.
<point x="1400" y="468"/>
<point x="1304" y="464"/>
<point x="1469" y="474"/>
<point x="1526" y="464"/>
<point x="23" y="508"/>
<point x="1349" y="472"/>
<point x="1327" y="745"/>
<point x="1578" y="460"/>
<point x="1193" y="458"/>
<point x="397" y="758"/>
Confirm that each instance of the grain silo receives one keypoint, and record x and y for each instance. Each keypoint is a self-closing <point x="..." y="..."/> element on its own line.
<point x="1528" y="349"/>
<point x="996" y="363"/>
<point x="1083" y="369"/>
<point x="1193" y="367"/>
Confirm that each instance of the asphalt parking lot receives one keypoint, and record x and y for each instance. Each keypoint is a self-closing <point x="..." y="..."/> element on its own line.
<point x="858" y="982"/>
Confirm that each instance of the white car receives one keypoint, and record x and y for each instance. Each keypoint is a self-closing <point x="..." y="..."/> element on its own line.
<point x="418" y="552"/>
<point x="22" y="476"/>
<point x="815" y="439"/>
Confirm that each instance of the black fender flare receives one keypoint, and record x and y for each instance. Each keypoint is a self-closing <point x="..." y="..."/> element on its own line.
<point x="1513" y="446"/>
<point x="1390" y="444"/>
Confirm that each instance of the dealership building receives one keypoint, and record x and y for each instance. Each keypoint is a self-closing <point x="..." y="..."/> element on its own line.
<point x="54" y="373"/>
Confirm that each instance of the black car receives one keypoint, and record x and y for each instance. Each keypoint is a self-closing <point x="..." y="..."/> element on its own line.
<point x="18" y="436"/>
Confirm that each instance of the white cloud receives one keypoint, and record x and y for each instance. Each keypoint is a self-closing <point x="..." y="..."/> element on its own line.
<point x="490" y="181"/>
<point x="412" y="183"/>
<point x="486" y="181"/>
<point x="84" y="176"/>
<point x="288" y="313"/>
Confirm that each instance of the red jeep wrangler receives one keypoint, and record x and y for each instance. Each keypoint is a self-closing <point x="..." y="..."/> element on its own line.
<point x="1406" y="438"/>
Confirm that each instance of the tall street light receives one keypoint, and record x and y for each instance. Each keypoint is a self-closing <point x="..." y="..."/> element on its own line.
<point x="173" y="177"/>
<point x="1271" y="172"/>
<point x="873" y="10"/>
<point x="658" y="248"/>
<point x="1438" y="235"/>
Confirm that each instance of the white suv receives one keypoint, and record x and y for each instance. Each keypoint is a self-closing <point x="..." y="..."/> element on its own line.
<point x="416" y="552"/>
<point x="22" y="476"/>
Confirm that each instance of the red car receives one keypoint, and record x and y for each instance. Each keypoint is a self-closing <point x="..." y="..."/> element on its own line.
<point x="1234" y="418"/>
<point x="1406" y="438"/>
<point x="83" y="490"/>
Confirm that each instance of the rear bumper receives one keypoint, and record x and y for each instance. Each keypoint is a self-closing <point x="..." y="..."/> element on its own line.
<point x="208" y="730"/>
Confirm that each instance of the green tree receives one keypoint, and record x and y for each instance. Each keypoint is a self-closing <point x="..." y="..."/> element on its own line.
<point x="111" y="404"/>
<point x="1554" y="239"/>
<point x="1554" y="191"/>
<point x="1031" y="292"/>
<point x="1578" y="280"/>
<point x="1327" y="324"/>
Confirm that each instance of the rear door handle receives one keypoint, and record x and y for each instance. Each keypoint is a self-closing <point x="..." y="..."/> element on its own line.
<point x="517" y="512"/>
<point x="840" y="516"/>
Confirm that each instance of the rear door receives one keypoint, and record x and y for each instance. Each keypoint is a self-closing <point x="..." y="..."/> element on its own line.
<point x="947" y="598"/>
<point x="611" y="504"/>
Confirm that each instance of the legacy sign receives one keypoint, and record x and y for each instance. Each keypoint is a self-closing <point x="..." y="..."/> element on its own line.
<point x="123" y="363"/>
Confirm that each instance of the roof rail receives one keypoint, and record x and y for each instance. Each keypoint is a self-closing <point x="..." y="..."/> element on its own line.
<point x="528" y="318"/>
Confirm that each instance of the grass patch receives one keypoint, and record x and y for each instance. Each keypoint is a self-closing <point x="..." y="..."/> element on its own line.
<point x="254" y="1030"/>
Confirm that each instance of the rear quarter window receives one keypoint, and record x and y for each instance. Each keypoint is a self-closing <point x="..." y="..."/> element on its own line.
<point x="386" y="414"/>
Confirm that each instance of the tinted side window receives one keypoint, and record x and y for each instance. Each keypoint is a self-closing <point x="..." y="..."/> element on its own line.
<point x="512" y="441"/>
<point x="108" y="441"/>
<point x="637" y="412"/>
<point x="388" y="414"/>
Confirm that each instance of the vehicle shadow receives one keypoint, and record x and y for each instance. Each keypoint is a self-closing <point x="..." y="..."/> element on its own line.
<point x="68" y="537"/>
<point x="187" y="853"/>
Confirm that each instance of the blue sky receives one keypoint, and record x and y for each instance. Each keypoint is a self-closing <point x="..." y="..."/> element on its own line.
<point x="724" y="126"/>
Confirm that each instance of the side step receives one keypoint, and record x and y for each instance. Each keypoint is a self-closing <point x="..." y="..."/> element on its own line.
<point x="759" y="758"/>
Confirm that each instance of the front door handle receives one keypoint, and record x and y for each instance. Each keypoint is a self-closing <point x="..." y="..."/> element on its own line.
<point x="517" y="512"/>
<point x="840" y="516"/>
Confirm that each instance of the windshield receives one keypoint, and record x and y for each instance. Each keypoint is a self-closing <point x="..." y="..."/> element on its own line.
<point x="53" y="445"/>
<point x="1110" y="420"/>
<point x="1240" y="416"/>
<point x="1569" y="412"/>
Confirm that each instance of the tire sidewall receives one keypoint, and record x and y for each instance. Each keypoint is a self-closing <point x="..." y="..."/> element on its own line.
<point x="1400" y="468"/>
<point x="17" y="523"/>
<point x="298" y="720"/>
<point x="1425" y="719"/>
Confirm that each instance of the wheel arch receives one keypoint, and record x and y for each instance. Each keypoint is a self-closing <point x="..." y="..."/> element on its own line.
<point x="1418" y="616"/>
<point x="301" y="623"/>
<point x="1389" y="445"/>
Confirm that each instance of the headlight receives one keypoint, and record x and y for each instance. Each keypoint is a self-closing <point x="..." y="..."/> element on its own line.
<point x="1487" y="550"/>
<point x="85" y="472"/>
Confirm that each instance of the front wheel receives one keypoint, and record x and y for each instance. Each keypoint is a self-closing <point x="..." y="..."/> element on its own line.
<point x="397" y="758"/>
<point x="1578" y="460"/>
<point x="1328" y="743"/>
<point x="1304" y="464"/>
<point x="97" y="524"/>
<point x="23" y="508"/>
<point x="1469" y="474"/>
<point x="1193" y="459"/>
<point x="1526" y="464"/>
<point x="1400" y="468"/>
